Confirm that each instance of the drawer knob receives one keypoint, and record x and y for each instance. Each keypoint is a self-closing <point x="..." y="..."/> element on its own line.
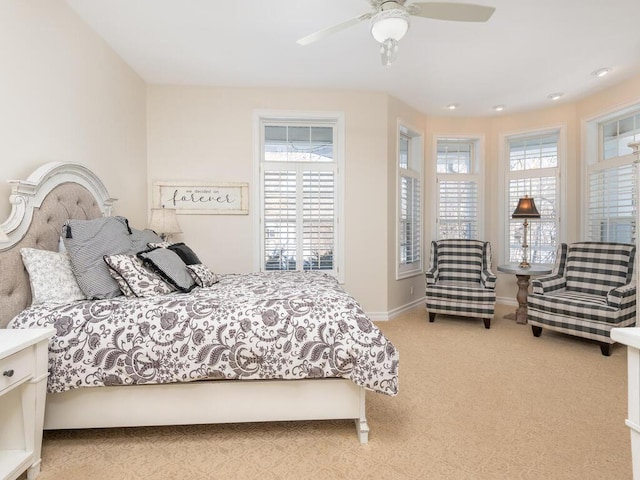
<point x="8" y="373"/>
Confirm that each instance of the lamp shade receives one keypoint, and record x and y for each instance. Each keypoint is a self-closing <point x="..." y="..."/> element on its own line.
<point x="392" y="23"/>
<point x="526" y="209"/>
<point x="164" y="221"/>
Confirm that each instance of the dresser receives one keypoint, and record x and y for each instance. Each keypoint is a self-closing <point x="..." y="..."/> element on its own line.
<point x="23" y="388"/>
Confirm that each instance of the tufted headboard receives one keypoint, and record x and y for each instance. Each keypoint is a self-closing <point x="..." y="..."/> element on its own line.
<point x="53" y="194"/>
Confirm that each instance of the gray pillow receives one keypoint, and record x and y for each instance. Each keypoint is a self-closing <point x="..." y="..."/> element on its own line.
<point x="87" y="242"/>
<point x="141" y="238"/>
<point x="170" y="267"/>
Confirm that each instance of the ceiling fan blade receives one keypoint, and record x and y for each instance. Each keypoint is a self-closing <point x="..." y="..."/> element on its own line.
<point x="457" y="12"/>
<point x="314" y="37"/>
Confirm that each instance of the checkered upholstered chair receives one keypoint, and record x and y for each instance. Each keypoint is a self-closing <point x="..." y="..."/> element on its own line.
<point x="460" y="281"/>
<point x="591" y="290"/>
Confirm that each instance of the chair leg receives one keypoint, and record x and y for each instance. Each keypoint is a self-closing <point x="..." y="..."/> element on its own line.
<point x="487" y="323"/>
<point x="432" y="317"/>
<point x="605" y="348"/>
<point x="536" y="330"/>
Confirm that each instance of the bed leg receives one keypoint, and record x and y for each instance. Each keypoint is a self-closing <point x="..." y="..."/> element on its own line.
<point x="362" y="427"/>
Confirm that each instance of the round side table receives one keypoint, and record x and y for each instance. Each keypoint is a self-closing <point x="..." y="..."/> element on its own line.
<point x="523" y="275"/>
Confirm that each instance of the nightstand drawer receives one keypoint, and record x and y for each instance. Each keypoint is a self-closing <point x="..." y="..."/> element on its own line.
<point x="15" y="368"/>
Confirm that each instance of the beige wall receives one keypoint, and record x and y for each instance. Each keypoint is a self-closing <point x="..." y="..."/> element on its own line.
<point x="207" y="134"/>
<point x="562" y="117"/>
<point x="399" y="292"/>
<point x="570" y="118"/>
<point x="65" y="96"/>
<point x="202" y="133"/>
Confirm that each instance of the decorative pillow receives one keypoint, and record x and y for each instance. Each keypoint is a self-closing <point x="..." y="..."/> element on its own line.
<point x="169" y="266"/>
<point x="87" y="242"/>
<point x="153" y="245"/>
<point x="51" y="277"/>
<point x="187" y="255"/>
<point x="202" y="275"/>
<point x="134" y="278"/>
<point x="141" y="238"/>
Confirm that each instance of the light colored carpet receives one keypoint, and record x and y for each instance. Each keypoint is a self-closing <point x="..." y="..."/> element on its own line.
<point x="473" y="404"/>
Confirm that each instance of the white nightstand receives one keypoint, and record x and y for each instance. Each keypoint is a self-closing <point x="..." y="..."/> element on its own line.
<point x="23" y="389"/>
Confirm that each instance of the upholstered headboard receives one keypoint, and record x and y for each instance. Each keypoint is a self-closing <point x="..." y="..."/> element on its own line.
<point x="53" y="194"/>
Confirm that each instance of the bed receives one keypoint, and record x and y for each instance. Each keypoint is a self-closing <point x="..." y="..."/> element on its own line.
<point x="270" y="346"/>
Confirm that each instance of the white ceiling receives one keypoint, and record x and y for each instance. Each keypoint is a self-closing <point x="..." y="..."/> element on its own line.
<point x="526" y="51"/>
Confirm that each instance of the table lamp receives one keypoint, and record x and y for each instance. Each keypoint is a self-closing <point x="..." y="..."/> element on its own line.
<point x="526" y="209"/>
<point x="164" y="222"/>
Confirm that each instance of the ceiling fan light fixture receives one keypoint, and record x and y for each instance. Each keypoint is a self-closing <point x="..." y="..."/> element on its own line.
<point x="389" y="51"/>
<point x="392" y="23"/>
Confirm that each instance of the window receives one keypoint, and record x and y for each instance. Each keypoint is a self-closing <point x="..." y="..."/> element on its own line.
<point x="457" y="188"/>
<point x="299" y="179"/>
<point x="611" y="182"/>
<point x="410" y="155"/>
<point x="533" y="170"/>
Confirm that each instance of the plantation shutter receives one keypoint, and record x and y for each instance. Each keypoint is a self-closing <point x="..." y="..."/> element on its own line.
<point x="457" y="209"/>
<point x="318" y="229"/>
<point x="542" y="232"/>
<point x="280" y="220"/>
<point x="409" y="220"/>
<point x="611" y="213"/>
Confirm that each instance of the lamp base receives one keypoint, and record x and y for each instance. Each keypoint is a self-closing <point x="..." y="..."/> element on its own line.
<point x="524" y="264"/>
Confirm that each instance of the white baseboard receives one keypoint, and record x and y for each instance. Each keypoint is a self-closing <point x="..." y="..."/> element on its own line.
<point x="391" y="314"/>
<point x="510" y="301"/>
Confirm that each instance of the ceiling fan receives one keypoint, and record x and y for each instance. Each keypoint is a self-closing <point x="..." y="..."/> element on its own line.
<point x="390" y="21"/>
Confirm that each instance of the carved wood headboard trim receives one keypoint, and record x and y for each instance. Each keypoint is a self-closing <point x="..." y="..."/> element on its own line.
<point x="51" y="195"/>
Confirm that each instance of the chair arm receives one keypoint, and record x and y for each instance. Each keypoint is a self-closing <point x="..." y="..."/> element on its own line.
<point x="622" y="296"/>
<point x="548" y="283"/>
<point x="432" y="275"/>
<point x="488" y="279"/>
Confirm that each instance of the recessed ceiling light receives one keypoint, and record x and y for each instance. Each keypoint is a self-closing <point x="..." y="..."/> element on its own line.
<point x="555" y="96"/>
<point x="601" y="72"/>
<point x="452" y="106"/>
<point x="498" y="108"/>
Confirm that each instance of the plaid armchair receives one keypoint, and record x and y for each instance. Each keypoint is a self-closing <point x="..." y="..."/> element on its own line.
<point x="460" y="281"/>
<point x="591" y="290"/>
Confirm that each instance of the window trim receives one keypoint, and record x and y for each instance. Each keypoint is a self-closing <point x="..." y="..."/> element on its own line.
<point x="591" y="148"/>
<point x="477" y="173"/>
<point x="503" y="194"/>
<point x="416" y="158"/>
<point x="336" y="119"/>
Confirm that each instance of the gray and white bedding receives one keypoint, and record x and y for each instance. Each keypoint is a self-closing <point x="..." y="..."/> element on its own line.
<point x="274" y="325"/>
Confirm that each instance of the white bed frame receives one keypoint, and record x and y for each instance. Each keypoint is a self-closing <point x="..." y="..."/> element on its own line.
<point x="216" y="401"/>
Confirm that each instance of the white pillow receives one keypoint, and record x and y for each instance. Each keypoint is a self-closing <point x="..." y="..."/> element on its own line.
<point x="51" y="277"/>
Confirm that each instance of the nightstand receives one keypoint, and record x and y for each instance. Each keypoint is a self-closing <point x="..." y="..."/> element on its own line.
<point x="23" y="389"/>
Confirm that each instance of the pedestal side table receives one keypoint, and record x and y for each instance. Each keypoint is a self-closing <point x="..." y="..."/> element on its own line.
<point x="523" y="275"/>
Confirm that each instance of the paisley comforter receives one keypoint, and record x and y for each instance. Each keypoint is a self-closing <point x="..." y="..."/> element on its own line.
<point x="276" y="325"/>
